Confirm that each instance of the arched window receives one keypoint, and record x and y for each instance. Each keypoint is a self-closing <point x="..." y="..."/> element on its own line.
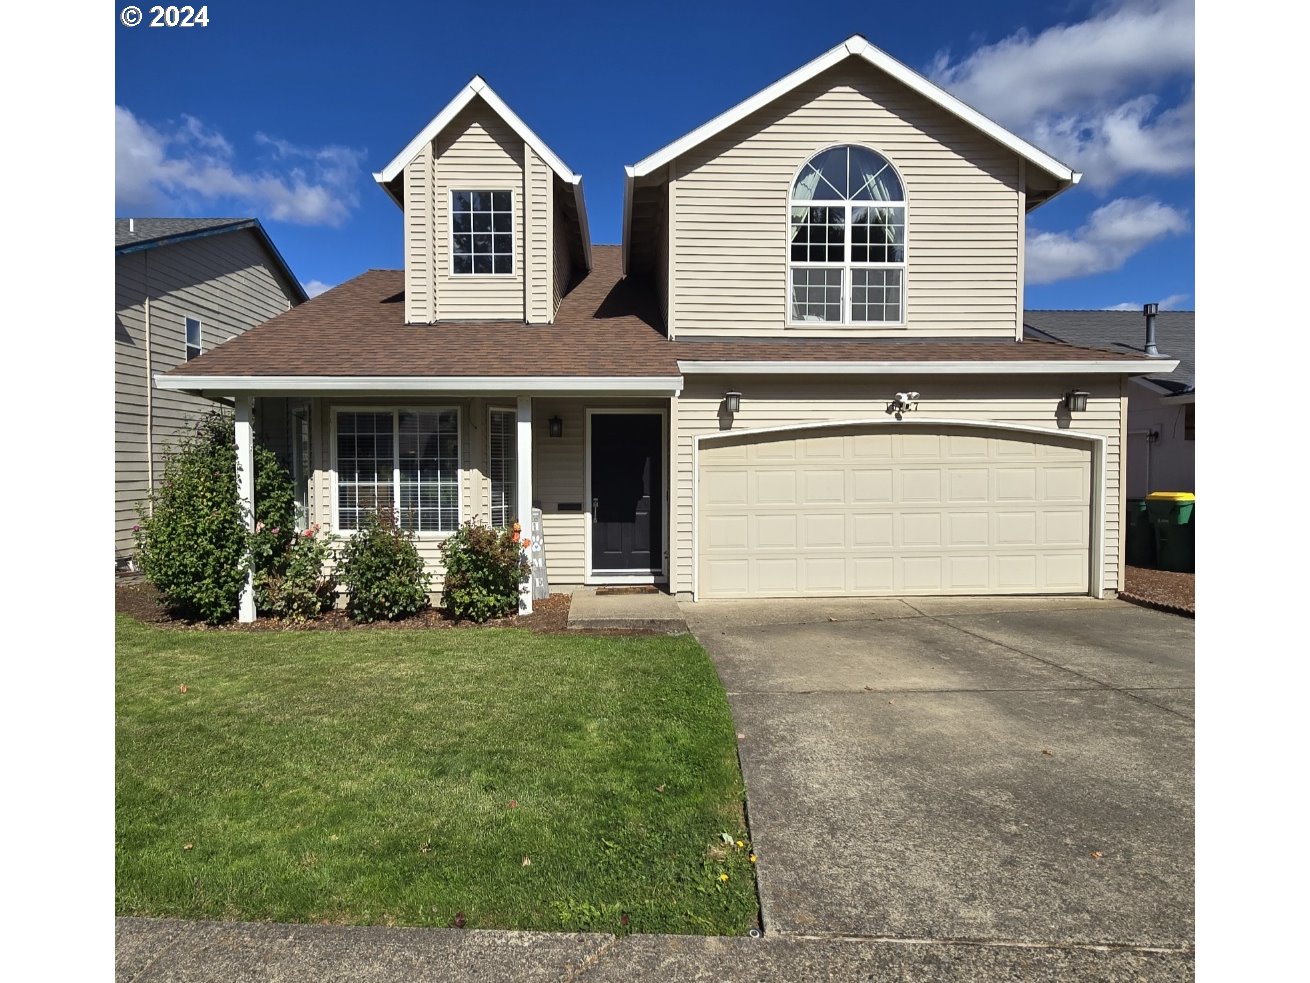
<point x="847" y="262"/>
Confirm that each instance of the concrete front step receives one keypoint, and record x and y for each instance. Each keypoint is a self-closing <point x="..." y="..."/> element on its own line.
<point x="657" y="611"/>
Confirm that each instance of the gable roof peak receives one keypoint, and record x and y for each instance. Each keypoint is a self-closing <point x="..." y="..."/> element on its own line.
<point x="477" y="88"/>
<point x="858" y="46"/>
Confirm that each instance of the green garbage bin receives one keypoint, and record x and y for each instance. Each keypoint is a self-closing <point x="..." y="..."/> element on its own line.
<point x="1173" y="520"/>
<point x="1141" y="539"/>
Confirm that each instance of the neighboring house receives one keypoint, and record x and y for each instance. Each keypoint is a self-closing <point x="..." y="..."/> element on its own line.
<point x="712" y="405"/>
<point x="183" y="286"/>
<point x="1162" y="407"/>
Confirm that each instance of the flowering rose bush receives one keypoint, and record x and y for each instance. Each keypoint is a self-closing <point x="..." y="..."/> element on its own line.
<point x="484" y="568"/>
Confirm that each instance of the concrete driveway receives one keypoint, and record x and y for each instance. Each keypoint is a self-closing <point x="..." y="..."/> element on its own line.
<point x="1014" y="772"/>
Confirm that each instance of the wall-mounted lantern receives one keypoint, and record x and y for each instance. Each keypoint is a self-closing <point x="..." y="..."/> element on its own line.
<point x="556" y="427"/>
<point x="1076" y="401"/>
<point x="732" y="401"/>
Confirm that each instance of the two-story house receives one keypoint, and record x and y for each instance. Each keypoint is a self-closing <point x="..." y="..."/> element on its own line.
<point x="182" y="286"/>
<point x="803" y="371"/>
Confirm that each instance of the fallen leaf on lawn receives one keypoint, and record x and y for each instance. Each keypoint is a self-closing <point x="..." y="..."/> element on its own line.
<point x="659" y="788"/>
<point x="459" y="919"/>
<point x="726" y="837"/>
<point x="624" y="919"/>
<point x="1048" y="752"/>
<point x="182" y="688"/>
<point x="187" y="846"/>
<point x="527" y="862"/>
<point x="513" y="803"/>
<point x="1097" y="854"/>
<point x="423" y="849"/>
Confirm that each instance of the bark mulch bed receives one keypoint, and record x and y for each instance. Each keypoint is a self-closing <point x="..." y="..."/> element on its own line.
<point x="1163" y="590"/>
<point x="549" y="617"/>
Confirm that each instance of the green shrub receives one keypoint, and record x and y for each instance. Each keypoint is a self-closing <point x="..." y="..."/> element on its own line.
<point x="484" y="568"/>
<point x="299" y="587"/>
<point x="382" y="571"/>
<point x="191" y="542"/>
<point x="275" y="514"/>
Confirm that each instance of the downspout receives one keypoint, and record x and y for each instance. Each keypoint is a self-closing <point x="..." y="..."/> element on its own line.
<point x="150" y="391"/>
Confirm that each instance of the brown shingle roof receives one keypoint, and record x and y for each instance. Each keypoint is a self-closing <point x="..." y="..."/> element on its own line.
<point x="607" y="325"/>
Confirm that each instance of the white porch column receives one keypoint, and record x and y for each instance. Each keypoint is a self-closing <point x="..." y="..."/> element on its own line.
<point x="523" y="483"/>
<point x="245" y="437"/>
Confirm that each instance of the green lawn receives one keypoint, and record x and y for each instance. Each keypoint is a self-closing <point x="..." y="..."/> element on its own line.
<point x="402" y="777"/>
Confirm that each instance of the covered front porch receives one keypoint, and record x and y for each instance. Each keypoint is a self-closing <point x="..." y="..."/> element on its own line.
<point x="593" y="464"/>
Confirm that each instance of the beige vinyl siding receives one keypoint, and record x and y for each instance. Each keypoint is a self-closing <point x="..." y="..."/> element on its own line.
<point x="559" y="475"/>
<point x="783" y="402"/>
<point x="539" y="187"/>
<point x="420" y="297"/>
<point x="478" y="151"/>
<point x="964" y="212"/>
<point x="228" y="282"/>
<point x="561" y="259"/>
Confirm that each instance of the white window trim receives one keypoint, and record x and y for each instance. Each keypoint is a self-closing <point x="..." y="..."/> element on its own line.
<point x="395" y="411"/>
<point x="846" y="265"/>
<point x="199" y="346"/>
<point x="513" y="231"/>
<point x="491" y="497"/>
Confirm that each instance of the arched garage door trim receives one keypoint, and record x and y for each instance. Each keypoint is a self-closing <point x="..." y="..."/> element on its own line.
<point x="1096" y="444"/>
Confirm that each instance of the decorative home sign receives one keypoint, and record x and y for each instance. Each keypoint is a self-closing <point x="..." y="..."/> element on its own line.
<point x="537" y="557"/>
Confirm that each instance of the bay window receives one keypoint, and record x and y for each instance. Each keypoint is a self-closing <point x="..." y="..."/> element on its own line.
<point x="847" y="240"/>
<point x="403" y="460"/>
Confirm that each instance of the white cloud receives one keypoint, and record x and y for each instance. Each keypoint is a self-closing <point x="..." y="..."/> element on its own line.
<point x="191" y="168"/>
<point x="1174" y="302"/>
<point x="1128" y="139"/>
<point x="1082" y="91"/>
<point x="316" y="287"/>
<point x="1112" y="234"/>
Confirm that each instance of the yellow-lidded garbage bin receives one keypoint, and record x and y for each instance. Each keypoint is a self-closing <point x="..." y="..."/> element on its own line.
<point x="1173" y="521"/>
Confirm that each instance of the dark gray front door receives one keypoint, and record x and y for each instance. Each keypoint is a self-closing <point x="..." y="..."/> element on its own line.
<point x="626" y="496"/>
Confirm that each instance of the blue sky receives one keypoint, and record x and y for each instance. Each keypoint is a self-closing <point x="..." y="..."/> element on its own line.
<point x="284" y="110"/>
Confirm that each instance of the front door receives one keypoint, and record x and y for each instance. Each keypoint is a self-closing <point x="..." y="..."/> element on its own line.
<point x="626" y="496"/>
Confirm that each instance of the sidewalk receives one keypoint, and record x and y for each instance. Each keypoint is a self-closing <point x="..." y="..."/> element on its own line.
<point x="157" y="950"/>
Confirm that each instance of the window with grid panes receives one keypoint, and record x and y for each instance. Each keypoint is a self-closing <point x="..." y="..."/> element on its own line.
<point x="847" y="240"/>
<point x="482" y="232"/>
<point x="503" y="465"/>
<point x="406" y="461"/>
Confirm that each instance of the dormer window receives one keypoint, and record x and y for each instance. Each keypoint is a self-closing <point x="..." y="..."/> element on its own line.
<point x="847" y="243"/>
<point x="482" y="232"/>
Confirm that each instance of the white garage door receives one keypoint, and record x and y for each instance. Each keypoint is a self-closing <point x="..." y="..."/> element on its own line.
<point x="884" y="511"/>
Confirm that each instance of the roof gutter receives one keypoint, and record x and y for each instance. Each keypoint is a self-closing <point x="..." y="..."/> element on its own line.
<point x="1127" y="367"/>
<point x="521" y="385"/>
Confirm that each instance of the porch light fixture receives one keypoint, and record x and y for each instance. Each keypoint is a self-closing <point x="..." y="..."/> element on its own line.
<point x="732" y="400"/>
<point x="556" y="427"/>
<point x="1076" y="401"/>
